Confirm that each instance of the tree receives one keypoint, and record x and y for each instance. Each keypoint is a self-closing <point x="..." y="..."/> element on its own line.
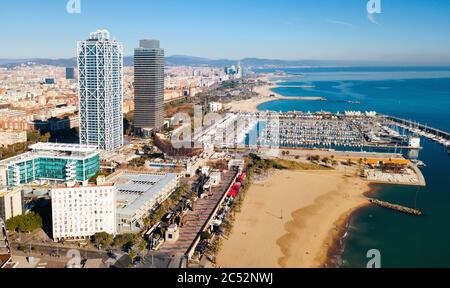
<point x="24" y="223"/>
<point x="133" y="254"/>
<point x="125" y="241"/>
<point x="205" y="235"/>
<point x="142" y="246"/>
<point x="104" y="239"/>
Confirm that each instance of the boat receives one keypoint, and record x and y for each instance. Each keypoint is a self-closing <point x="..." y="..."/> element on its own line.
<point x="418" y="163"/>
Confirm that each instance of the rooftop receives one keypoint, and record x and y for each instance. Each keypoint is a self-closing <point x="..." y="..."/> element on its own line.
<point x="54" y="150"/>
<point x="139" y="188"/>
<point x="59" y="147"/>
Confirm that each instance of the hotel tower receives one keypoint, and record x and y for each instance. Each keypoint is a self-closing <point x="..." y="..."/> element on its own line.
<point x="148" y="87"/>
<point x="100" y="68"/>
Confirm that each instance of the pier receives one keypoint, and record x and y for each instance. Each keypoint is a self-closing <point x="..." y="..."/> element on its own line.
<point x="431" y="133"/>
<point x="403" y="209"/>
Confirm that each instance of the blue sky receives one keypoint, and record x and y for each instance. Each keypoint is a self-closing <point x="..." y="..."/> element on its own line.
<point x="408" y="31"/>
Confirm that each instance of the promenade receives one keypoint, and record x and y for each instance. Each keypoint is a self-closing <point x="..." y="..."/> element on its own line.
<point x="199" y="219"/>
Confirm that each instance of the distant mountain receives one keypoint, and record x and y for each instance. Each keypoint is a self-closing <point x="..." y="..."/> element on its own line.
<point x="182" y="60"/>
<point x="176" y="60"/>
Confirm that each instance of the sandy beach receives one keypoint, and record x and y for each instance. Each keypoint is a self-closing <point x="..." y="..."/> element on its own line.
<point x="265" y="95"/>
<point x="292" y="219"/>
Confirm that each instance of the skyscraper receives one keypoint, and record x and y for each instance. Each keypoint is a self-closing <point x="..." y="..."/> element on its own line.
<point x="100" y="69"/>
<point x="148" y="87"/>
<point x="70" y="73"/>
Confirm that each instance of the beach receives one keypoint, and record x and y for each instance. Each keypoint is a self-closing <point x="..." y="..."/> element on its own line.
<point x="292" y="220"/>
<point x="265" y="95"/>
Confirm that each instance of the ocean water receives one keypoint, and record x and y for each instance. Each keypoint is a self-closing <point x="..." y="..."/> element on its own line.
<point x="419" y="94"/>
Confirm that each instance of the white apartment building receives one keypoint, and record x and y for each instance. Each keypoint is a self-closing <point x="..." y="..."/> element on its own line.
<point x="81" y="212"/>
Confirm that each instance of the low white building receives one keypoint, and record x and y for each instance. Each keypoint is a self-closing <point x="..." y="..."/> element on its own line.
<point x="215" y="106"/>
<point x="215" y="178"/>
<point x="138" y="194"/>
<point x="205" y="170"/>
<point x="80" y="212"/>
<point x="414" y="142"/>
<point x="236" y="164"/>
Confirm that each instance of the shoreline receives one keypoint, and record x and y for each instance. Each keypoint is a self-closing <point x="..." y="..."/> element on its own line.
<point x="318" y="222"/>
<point x="266" y="95"/>
<point x="335" y="251"/>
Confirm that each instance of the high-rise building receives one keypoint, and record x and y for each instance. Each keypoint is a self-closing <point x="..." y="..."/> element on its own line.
<point x="70" y="73"/>
<point x="100" y="77"/>
<point x="81" y="212"/>
<point x="148" y="87"/>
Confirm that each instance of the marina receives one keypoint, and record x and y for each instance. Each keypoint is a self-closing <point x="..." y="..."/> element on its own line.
<point x="430" y="133"/>
<point x="351" y="130"/>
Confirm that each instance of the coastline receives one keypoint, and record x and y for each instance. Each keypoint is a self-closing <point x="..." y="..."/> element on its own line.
<point x="316" y="218"/>
<point x="266" y="95"/>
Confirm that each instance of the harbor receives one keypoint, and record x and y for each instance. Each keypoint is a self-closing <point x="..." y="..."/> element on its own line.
<point x="349" y="130"/>
<point x="430" y="133"/>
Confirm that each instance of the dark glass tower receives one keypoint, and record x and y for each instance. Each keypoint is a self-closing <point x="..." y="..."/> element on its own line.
<point x="148" y="87"/>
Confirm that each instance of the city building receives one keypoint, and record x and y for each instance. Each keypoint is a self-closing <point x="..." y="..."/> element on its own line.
<point x="414" y="142"/>
<point x="16" y="120"/>
<point x="5" y="250"/>
<point x="138" y="194"/>
<point x="235" y="72"/>
<point x="148" y="87"/>
<point x="12" y="137"/>
<point x="100" y="77"/>
<point x="51" y="162"/>
<point x="80" y="212"/>
<point x="215" y="106"/>
<point x="70" y="73"/>
<point x="11" y="202"/>
<point x="49" y="81"/>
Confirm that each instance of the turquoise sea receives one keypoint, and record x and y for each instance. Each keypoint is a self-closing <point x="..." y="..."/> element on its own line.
<point x="416" y="93"/>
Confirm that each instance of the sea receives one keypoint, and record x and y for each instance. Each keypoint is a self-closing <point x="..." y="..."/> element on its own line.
<point x="420" y="94"/>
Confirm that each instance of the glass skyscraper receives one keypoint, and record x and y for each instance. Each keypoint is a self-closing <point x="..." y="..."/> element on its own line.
<point x="100" y="69"/>
<point x="148" y="87"/>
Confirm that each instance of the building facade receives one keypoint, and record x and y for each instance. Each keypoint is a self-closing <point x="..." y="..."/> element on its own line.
<point x="100" y="77"/>
<point x="80" y="212"/>
<point x="12" y="137"/>
<point x="215" y="106"/>
<point x="70" y="73"/>
<point x="148" y="87"/>
<point x="5" y="250"/>
<point x="11" y="203"/>
<point x="51" y="162"/>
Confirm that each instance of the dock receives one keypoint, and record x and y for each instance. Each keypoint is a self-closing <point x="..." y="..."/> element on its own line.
<point x="437" y="135"/>
<point x="403" y="209"/>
